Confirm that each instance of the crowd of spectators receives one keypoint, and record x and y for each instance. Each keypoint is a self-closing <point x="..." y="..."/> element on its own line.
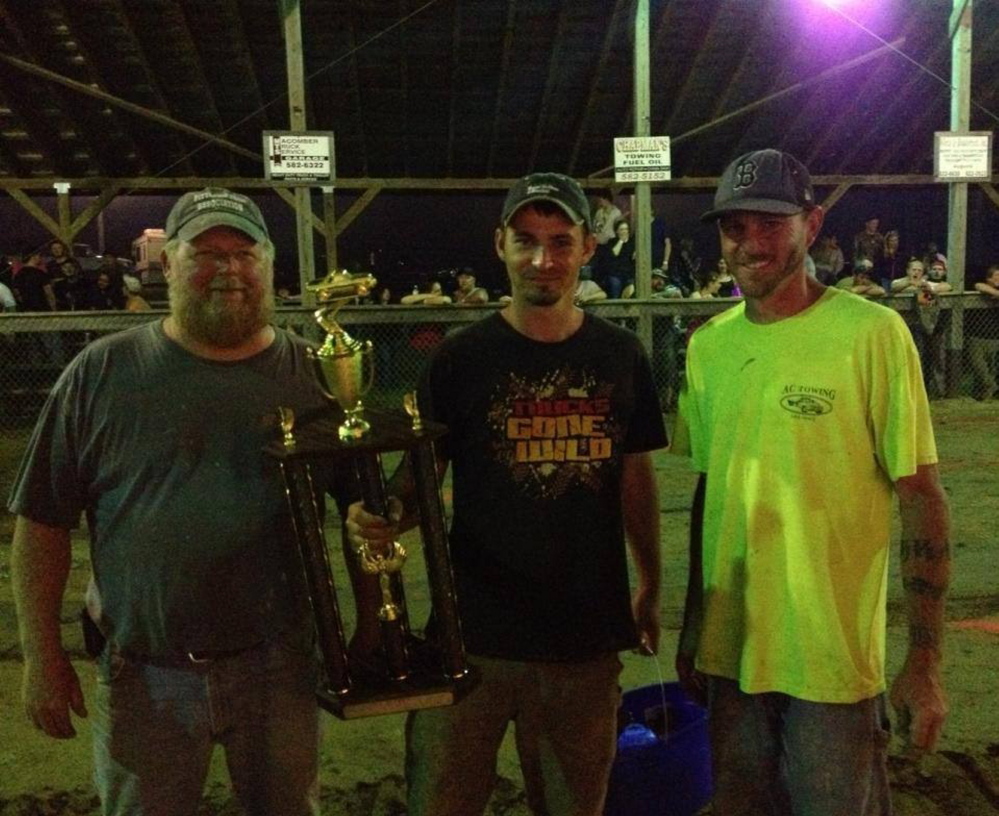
<point x="50" y="279"/>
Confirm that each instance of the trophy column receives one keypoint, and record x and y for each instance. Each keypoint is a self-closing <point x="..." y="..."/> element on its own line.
<point x="416" y="674"/>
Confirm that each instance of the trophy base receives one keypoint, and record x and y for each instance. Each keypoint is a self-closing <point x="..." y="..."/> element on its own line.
<point x="354" y="427"/>
<point x="353" y="431"/>
<point x="384" y="696"/>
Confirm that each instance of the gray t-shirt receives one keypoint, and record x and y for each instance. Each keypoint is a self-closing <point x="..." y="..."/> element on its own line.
<point x="191" y="544"/>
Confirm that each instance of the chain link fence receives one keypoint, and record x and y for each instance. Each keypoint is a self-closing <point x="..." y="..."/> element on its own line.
<point x="957" y="335"/>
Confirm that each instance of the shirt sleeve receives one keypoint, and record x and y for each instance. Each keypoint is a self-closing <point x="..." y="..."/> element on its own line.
<point x="903" y="428"/>
<point x="49" y="487"/>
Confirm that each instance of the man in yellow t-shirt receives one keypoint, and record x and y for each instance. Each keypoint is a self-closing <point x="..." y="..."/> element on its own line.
<point x="804" y="412"/>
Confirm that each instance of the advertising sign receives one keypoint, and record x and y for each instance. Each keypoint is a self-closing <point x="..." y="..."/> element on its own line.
<point x="642" y="158"/>
<point x="299" y="157"/>
<point x="962" y="156"/>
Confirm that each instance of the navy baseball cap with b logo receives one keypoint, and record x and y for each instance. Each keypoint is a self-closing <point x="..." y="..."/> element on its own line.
<point x="766" y="181"/>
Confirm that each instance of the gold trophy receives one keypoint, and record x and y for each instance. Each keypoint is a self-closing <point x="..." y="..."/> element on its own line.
<point x="404" y="672"/>
<point x="345" y="366"/>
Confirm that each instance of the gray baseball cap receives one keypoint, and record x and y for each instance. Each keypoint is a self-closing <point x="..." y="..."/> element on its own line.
<point x="201" y="210"/>
<point x="554" y="187"/>
<point x="767" y="181"/>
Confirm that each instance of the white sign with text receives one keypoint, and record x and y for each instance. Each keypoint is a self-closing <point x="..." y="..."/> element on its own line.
<point x="299" y="157"/>
<point x="642" y="158"/>
<point x="962" y="156"/>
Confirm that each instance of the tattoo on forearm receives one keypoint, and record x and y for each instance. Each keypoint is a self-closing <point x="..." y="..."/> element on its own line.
<point x="920" y="586"/>
<point x="922" y="637"/>
<point x="924" y="549"/>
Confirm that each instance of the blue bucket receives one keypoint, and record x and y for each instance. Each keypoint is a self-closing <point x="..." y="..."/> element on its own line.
<point x="657" y="776"/>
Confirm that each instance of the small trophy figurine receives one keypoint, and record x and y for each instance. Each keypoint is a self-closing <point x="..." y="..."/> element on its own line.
<point x="345" y="366"/>
<point x="286" y="417"/>
<point x="409" y="404"/>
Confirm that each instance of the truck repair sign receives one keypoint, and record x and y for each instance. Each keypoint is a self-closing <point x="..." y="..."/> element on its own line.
<point x="299" y="157"/>
<point x="642" y="158"/>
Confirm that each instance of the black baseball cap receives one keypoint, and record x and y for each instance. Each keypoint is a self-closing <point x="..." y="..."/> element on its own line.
<point x="767" y="181"/>
<point x="201" y="210"/>
<point x="554" y="187"/>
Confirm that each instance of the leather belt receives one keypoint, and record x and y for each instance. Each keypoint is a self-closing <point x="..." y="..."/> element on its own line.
<point x="190" y="660"/>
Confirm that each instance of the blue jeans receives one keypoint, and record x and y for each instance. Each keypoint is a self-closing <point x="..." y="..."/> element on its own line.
<point x="566" y="736"/>
<point x="776" y="755"/>
<point x="155" y="728"/>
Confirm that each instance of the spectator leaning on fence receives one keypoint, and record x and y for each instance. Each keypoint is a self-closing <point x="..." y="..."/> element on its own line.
<point x="785" y="616"/>
<point x="861" y="282"/>
<point x="156" y="434"/>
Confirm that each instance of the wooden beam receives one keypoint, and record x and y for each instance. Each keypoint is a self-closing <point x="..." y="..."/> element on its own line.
<point x="291" y="20"/>
<point x="356" y="85"/>
<point x="36" y="212"/>
<point x="401" y="51"/>
<point x="551" y="76"/>
<point x="93" y="209"/>
<point x="830" y="200"/>
<point x="798" y="86"/>
<point x="511" y="15"/>
<point x="164" y="184"/>
<point x="614" y="20"/>
<point x="139" y="110"/>
<point x="698" y="70"/>
<point x="990" y="192"/>
<point x="452" y="114"/>
<point x="289" y="198"/>
<point x="355" y="209"/>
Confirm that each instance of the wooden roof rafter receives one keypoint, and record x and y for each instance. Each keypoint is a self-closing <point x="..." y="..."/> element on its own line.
<point x="11" y="161"/>
<point x="404" y="85"/>
<point x="452" y="118"/>
<point x="508" y="35"/>
<point x="99" y="127"/>
<point x="614" y="22"/>
<point x="896" y="110"/>
<point x="832" y="134"/>
<point x="732" y="86"/>
<point x="195" y="56"/>
<point x="551" y="78"/>
<point x="237" y="31"/>
<point x="356" y="85"/>
<point x="694" y="74"/>
<point x="29" y="101"/>
<point x="111" y="77"/>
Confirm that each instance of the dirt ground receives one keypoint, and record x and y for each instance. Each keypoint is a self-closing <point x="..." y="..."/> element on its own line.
<point x="362" y="760"/>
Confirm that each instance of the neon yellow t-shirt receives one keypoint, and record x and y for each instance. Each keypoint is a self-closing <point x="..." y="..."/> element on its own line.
<point x="801" y="426"/>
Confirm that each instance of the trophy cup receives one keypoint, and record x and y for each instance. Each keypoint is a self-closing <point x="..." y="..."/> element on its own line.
<point x="408" y="672"/>
<point x="345" y="366"/>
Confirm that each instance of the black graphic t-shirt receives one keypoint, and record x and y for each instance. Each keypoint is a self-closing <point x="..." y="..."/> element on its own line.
<point x="537" y="432"/>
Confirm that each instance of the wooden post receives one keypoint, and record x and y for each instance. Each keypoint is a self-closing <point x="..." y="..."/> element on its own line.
<point x="329" y="223"/>
<point x="641" y="218"/>
<point x="957" y="202"/>
<point x="291" y="14"/>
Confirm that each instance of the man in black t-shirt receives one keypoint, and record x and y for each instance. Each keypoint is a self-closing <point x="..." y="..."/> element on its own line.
<point x="552" y="416"/>
<point x="33" y="285"/>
